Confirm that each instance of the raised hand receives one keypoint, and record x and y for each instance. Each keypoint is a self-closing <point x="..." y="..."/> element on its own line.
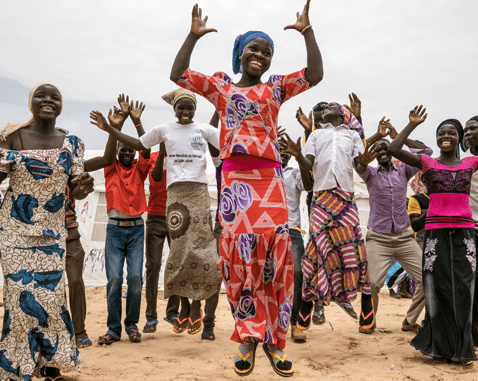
<point x="281" y="131"/>
<point x="355" y="105"/>
<point x="84" y="182"/>
<point x="287" y="145"/>
<point x="115" y="117"/>
<point x="302" y="19"/>
<point x="369" y="155"/>
<point x="383" y="125"/>
<point x="98" y="120"/>
<point x="417" y="115"/>
<point x="136" y="111"/>
<point x="124" y="104"/>
<point x="392" y="132"/>
<point x="198" y="24"/>
<point x="304" y="121"/>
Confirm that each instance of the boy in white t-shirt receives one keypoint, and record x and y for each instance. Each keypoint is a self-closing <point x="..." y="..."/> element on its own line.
<point x="192" y="270"/>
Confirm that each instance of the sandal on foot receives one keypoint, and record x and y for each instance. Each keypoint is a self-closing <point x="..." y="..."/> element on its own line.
<point x="349" y="310"/>
<point x="208" y="332"/>
<point x="179" y="326"/>
<point x="107" y="339"/>
<point x="134" y="335"/>
<point x="150" y="326"/>
<point x="191" y="324"/>
<point x="240" y="367"/>
<point x="318" y="317"/>
<point x="170" y="320"/>
<point x="282" y="360"/>
<point x="305" y="315"/>
<point x="83" y="343"/>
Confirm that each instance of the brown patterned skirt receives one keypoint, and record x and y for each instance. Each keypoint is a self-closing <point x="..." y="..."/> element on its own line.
<point x="192" y="269"/>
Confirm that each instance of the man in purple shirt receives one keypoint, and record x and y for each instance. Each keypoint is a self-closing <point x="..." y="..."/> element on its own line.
<point x="388" y="237"/>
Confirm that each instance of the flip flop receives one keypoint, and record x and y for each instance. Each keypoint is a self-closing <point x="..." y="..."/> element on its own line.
<point x="305" y="315"/>
<point x="170" y="320"/>
<point x="197" y="330"/>
<point x="150" y="326"/>
<point x="252" y="353"/>
<point x="83" y="343"/>
<point x="180" y="328"/>
<point x="271" y="355"/>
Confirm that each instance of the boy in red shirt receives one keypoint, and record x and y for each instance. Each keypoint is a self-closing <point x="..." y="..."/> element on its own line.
<point x="125" y="202"/>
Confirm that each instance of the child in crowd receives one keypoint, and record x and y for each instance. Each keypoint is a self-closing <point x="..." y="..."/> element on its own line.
<point x="126" y="202"/>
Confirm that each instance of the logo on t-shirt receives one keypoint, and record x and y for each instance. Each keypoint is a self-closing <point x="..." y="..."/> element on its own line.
<point x="197" y="142"/>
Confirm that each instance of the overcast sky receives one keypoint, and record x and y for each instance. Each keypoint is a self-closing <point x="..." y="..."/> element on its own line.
<point x="393" y="54"/>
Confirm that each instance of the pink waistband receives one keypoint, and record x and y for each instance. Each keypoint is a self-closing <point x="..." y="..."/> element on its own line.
<point x="247" y="162"/>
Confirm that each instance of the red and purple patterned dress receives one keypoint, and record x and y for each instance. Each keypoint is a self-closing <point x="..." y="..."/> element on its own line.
<point x="255" y="249"/>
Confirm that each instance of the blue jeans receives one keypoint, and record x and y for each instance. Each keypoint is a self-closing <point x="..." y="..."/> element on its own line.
<point x="123" y="243"/>
<point x="297" y="252"/>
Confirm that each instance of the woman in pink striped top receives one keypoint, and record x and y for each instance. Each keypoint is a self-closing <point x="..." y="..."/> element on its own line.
<point x="449" y="262"/>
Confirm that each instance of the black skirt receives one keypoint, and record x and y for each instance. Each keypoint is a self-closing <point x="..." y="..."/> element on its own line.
<point x="449" y="267"/>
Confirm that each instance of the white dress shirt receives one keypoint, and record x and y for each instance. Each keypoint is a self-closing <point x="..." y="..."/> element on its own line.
<point x="473" y="188"/>
<point x="334" y="149"/>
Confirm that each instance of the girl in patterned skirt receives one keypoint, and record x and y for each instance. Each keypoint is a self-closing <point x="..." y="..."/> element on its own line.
<point x="449" y="252"/>
<point x="334" y="265"/>
<point x="255" y="248"/>
<point x="38" y="337"/>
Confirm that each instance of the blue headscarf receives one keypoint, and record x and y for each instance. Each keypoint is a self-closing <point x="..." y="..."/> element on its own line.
<point x="241" y="41"/>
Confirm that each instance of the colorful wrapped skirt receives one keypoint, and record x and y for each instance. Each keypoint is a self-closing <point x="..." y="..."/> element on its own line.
<point x="334" y="265"/>
<point x="256" y="256"/>
<point x="192" y="269"/>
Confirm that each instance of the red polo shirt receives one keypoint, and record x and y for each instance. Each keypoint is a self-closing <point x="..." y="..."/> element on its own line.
<point x="157" y="190"/>
<point x="125" y="186"/>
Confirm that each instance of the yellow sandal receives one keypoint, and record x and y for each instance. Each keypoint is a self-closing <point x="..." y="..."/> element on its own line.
<point x="252" y="353"/>
<point x="271" y="355"/>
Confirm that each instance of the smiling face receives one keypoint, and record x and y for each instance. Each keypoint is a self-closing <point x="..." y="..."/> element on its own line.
<point x="185" y="109"/>
<point x="256" y="57"/>
<point x="331" y="112"/>
<point x="447" y="138"/>
<point x="471" y="133"/>
<point x="125" y="155"/>
<point x="46" y="102"/>
<point x="382" y="155"/>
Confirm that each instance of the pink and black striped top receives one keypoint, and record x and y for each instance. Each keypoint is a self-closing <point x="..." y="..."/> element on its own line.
<point x="449" y="190"/>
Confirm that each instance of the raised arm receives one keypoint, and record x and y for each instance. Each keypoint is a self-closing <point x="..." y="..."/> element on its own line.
<point x="116" y="119"/>
<point x="381" y="132"/>
<point x="305" y="122"/>
<point x="305" y="163"/>
<point x="364" y="159"/>
<point x="315" y="69"/>
<point x="355" y="107"/>
<point x="198" y="29"/>
<point x="417" y="117"/>
<point x="135" y="113"/>
<point x="157" y="173"/>
<point x="99" y="120"/>
<point x="410" y="143"/>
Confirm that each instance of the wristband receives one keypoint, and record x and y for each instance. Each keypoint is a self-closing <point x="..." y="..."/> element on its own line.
<point x="139" y="124"/>
<point x="307" y="27"/>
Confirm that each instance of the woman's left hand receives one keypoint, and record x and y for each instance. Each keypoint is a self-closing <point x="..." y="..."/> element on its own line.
<point x="84" y="183"/>
<point x="99" y="120"/>
<point x="302" y="20"/>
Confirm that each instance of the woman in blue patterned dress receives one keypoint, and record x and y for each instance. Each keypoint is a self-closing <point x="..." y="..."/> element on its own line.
<point x="40" y="160"/>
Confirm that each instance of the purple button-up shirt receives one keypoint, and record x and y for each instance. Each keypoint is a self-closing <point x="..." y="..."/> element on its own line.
<point x="388" y="195"/>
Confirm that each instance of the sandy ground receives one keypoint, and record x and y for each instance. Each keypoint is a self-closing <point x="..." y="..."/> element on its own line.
<point x="333" y="351"/>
